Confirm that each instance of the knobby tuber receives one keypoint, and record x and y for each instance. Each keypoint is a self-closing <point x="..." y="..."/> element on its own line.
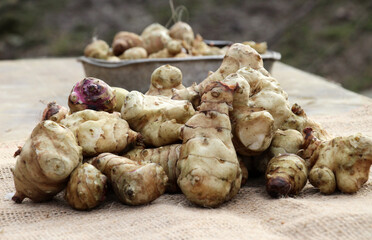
<point x="209" y="172"/>
<point x="341" y="163"/>
<point x="134" y="183"/>
<point x="166" y="156"/>
<point x="54" y="112"/>
<point x="91" y="93"/>
<point x="98" y="132"/>
<point x="159" y="119"/>
<point x="164" y="79"/>
<point x="45" y="162"/>
<point x="86" y="188"/>
<point x="286" y="174"/>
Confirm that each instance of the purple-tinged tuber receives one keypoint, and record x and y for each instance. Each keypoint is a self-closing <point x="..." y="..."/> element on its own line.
<point x="92" y="93"/>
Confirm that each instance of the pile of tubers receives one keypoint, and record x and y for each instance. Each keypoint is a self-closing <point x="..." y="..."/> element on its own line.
<point x="156" y="41"/>
<point x="201" y="140"/>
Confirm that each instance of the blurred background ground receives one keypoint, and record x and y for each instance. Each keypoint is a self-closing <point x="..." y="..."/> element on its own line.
<point x="331" y="38"/>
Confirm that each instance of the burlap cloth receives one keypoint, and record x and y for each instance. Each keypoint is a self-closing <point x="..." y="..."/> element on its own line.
<point x="252" y="214"/>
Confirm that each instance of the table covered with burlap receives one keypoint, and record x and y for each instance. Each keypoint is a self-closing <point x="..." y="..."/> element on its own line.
<point x="252" y="214"/>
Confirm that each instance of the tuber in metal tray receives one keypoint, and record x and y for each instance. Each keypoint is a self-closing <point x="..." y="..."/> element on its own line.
<point x="136" y="74"/>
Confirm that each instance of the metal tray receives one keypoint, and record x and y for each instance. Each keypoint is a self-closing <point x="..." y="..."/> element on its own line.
<point x="136" y="74"/>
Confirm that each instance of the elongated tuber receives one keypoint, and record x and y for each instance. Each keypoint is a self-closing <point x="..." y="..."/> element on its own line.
<point x="164" y="79"/>
<point x="98" y="132"/>
<point x="209" y="172"/>
<point x="159" y="119"/>
<point x="45" y="162"/>
<point x="134" y="183"/>
<point x="341" y="163"/>
<point x="91" y="93"/>
<point x="286" y="174"/>
<point x="86" y="188"/>
<point x="166" y="156"/>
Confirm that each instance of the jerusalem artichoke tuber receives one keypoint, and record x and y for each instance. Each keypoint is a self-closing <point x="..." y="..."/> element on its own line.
<point x="54" y="112"/>
<point x="166" y="156"/>
<point x="164" y="79"/>
<point x="134" y="183"/>
<point x="45" y="162"/>
<point x="125" y="40"/>
<point x="99" y="132"/>
<point x="341" y="163"/>
<point x="286" y="174"/>
<point x="97" y="49"/>
<point x="91" y="93"/>
<point x="159" y="119"/>
<point x="209" y="172"/>
<point x="86" y="188"/>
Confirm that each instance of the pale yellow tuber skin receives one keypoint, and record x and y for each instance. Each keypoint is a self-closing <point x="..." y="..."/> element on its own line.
<point x="86" y="188"/>
<point x="97" y="49"/>
<point x="200" y="48"/>
<point x="159" y="119"/>
<point x="134" y="183"/>
<point x="209" y="171"/>
<point x="98" y="131"/>
<point x="120" y="94"/>
<point x="125" y="40"/>
<point x="238" y="56"/>
<point x="166" y="156"/>
<point x="174" y="47"/>
<point x="260" y="47"/>
<point x="134" y="53"/>
<point x="182" y="31"/>
<point x="164" y="79"/>
<point x="283" y="142"/>
<point x="341" y="163"/>
<point x="252" y="128"/>
<point x="286" y="174"/>
<point x="45" y="162"/>
<point x="155" y="37"/>
<point x="163" y="53"/>
<point x="266" y="93"/>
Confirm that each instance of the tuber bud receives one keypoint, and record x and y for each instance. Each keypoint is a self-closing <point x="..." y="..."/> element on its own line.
<point x="91" y="93"/>
<point x="86" y="188"/>
<point x="45" y="162"/>
<point x="286" y="174"/>
<point x="54" y="112"/>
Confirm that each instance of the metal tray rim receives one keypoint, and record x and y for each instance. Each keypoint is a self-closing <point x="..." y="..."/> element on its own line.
<point x="269" y="55"/>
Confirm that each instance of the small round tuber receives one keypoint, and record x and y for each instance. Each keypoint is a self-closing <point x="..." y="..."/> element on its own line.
<point x="86" y="188"/>
<point x="97" y="49"/>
